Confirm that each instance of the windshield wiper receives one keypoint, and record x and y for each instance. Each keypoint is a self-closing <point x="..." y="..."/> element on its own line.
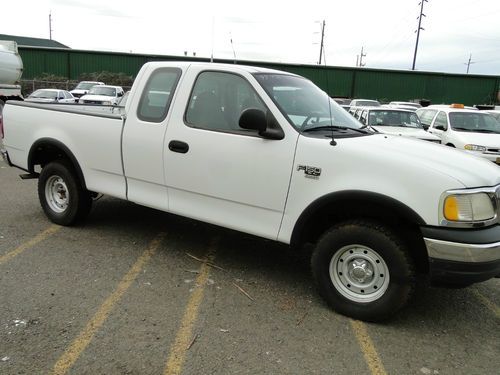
<point x="335" y="127"/>
<point x="485" y="131"/>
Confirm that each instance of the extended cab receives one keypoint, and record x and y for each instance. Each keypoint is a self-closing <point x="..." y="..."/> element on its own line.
<point x="268" y="153"/>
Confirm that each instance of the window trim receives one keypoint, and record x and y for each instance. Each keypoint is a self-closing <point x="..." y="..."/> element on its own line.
<point x="169" y="101"/>
<point x="249" y="133"/>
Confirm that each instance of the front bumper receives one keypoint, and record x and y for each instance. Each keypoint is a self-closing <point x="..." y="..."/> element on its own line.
<point x="462" y="256"/>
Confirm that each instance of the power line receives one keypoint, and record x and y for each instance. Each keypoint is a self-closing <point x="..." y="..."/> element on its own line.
<point x="418" y="31"/>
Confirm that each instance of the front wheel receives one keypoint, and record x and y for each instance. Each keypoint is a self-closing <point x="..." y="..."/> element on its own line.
<point x="363" y="270"/>
<point x="62" y="197"/>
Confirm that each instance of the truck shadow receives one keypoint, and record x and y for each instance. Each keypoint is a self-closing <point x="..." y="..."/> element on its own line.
<point x="274" y="265"/>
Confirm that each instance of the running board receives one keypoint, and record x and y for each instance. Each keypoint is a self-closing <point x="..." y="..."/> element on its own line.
<point x="29" y="176"/>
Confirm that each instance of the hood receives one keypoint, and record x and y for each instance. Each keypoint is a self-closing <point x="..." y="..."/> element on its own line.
<point x="406" y="132"/>
<point x="488" y="140"/>
<point x="79" y="92"/>
<point x="469" y="170"/>
<point x="40" y="100"/>
<point x="99" y="98"/>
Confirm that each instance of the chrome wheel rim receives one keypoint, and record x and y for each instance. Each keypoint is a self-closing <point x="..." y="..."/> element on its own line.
<point x="359" y="273"/>
<point x="56" y="194"/>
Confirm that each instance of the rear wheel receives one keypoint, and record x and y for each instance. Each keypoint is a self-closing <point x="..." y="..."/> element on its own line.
<point x="62" y="197"/>
<point x="363" y="270"/>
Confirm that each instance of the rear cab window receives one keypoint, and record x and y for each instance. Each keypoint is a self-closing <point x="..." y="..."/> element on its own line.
<point x="157" y="94"/>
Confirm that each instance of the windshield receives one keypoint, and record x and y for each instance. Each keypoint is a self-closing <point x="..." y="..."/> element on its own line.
<point x="44" y="94"/>
<point x="474" y="122"/>
<point x="394" y="118"/>
<point x="100" y="90"/>
<point x="85" y="85"/>
<point x="305" y="105"/>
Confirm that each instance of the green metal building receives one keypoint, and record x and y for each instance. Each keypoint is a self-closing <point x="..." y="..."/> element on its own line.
<point x="381" y="84"/>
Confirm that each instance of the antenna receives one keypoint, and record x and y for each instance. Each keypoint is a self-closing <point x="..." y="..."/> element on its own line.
<point x="50" y="25"/>
<point x="234" y="53"/>
<point x="418" y="31"/>
<point x="213" y="28"/>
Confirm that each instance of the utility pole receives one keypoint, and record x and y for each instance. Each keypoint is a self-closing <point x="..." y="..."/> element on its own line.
<point x="469" y="62"/>
<point x="359" y="58"/>
<point x="50" y="25"/>
<point x="322" y="39"/>
<point x="418" y="31"/>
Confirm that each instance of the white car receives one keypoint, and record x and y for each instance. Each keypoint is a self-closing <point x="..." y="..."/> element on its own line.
<point x="83" y="88"/>
<point x="395" y="122"/>
<point x="51" y="96"/>
<point x="103" y="94"/>
<point x="475" y="132"/>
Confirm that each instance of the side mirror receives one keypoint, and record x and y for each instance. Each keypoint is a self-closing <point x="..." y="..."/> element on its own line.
<point x="265" y="123"/>
<point x="426" y="127"/>
<point x="439" y="127"/>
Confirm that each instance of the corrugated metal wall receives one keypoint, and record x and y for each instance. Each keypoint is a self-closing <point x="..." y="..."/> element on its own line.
<point x="384" y="85"/>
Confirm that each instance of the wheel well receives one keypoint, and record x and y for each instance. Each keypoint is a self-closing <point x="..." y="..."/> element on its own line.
<point x="450" y="145"/>
<point x="321" y="216"/>
<point x="47" y="150"/>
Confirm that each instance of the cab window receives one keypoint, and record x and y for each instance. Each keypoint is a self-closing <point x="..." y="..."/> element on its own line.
<point x="157" y="95"/>
<point x="217" y="101"/>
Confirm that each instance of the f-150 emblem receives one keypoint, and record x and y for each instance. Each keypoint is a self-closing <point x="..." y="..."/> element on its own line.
<point x="310" y="172"/>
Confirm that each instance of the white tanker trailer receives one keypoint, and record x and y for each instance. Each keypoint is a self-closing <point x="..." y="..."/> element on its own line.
<point x="11" y="69"/>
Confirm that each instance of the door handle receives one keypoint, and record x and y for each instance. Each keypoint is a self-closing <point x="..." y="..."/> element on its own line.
<point x="178" y="146"/>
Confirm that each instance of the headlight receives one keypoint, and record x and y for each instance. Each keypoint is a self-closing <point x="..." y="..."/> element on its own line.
<point x="106" y="103"/>
<point x="462" y="208"/>
<point x="475" y="148"/>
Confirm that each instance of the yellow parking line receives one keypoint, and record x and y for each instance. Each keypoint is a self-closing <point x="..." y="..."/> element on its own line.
<point x="184" y="338"/>
<point x="489" y="304"/>
<point x="370" y="353"/>
<point x="25" y="246"/>
<point x="80" y="343"/>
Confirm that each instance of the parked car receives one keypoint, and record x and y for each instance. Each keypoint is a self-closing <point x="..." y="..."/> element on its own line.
<point x="364" y="103"/>
<point x="103" y="94"/>
<point x="51" y="96"/>
<point x="394" y="121"/>
<point x="473" y="131"/>
<point x="405" y="105"/>
<point x="83" y="88"/>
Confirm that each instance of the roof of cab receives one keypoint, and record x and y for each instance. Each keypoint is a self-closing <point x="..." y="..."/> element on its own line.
<point x="230" y="67"/>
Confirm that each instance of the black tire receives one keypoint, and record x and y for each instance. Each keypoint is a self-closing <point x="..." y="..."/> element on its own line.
<point x="63" y="199"/>
<point x="341" y="265"/>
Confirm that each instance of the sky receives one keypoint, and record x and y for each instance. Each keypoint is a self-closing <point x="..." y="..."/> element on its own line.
<point x="275" y="31"/>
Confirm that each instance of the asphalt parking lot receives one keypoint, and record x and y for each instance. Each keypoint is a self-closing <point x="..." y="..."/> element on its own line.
<point x="138" y="291"/>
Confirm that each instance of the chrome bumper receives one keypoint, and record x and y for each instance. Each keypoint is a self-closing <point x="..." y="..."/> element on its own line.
<point x="461" y="252"/>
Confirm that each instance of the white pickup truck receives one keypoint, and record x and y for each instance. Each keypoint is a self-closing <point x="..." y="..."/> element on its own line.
<point x="268" y="153"/>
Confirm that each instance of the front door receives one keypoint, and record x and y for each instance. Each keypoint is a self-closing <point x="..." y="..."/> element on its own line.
<point x="218" y="172"/>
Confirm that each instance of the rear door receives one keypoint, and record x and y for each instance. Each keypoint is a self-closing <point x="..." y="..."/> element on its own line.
<point x="143" y="137"/>
<point x="218" y="172"/>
